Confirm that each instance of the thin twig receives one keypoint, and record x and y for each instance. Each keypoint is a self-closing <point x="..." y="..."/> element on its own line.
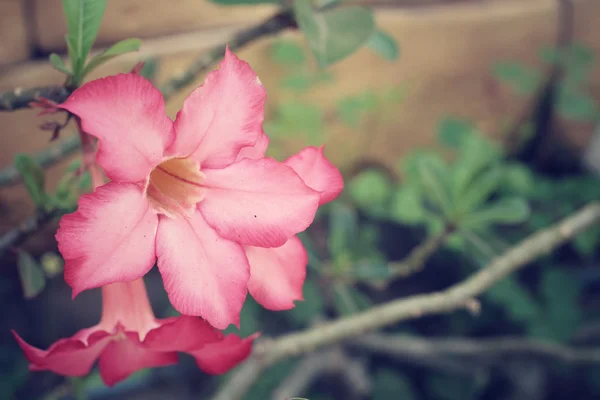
<point x="20" y="233"/>
<point x="564" y="37"/>
<point x="45" y="158"/>
<point x="484" y="351"/>
<point x="20" y="98"/>
<point x="275" y="24"/>
<point x="453" y="298"/>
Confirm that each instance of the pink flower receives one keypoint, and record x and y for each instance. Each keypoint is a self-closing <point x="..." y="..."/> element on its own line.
<point x="129" y="338"/>
<point x="197" y="194"/>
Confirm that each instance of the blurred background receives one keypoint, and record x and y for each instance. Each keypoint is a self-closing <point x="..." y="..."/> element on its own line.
<point x="504" y="92"/>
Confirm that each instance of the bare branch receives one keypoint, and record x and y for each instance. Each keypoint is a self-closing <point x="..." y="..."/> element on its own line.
<point x="56" y="152"/>
<point x="19" y="234"/>
<point x="20" y="98"/>
<point x="453" y="298"/>
<point x="484" y="351"/>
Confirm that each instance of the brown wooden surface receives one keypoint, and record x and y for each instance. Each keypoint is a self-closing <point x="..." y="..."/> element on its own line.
<point x="14" y="44"/>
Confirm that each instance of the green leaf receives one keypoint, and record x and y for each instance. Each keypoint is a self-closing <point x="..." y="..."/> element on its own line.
<point x="406" y="205"/>
<point x="384" y="45"/>
<point x="350" y="109"/>
<point x="480" y="190"/>
<point x="343" y="229"/>
<point x="374" y="268"/>
<point x="59" y="64"/>
<point x="504" y="211"/>
<point x="83" y="21"/>
<point x="334" y="34"/>
<point x="576" y="105"/>
<point x="476" y="154"/>
<point x="297" y="119"/>
<point x="349" y="300"/>
<point x="31" y="274"/>
<point x="371" y="190"/>
<point x="389" y="384"/>
<point x="453" y="132"/>
<point x="434" y="178"/>
<point x="150" y="68"/>
<point x="518" y="179"/>
<point x="122" y="47"/>
<point x="287" y="52"/>
<point x="522" y="79"/>
<point x="33" y="177"/>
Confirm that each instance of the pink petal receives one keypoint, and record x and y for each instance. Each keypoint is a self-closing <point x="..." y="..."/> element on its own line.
<point x="257" y="151"/>
<point x="222" y="116"/>
<point x="219" y="357"/>
<point x="182" y="333"/>
<point x="258" y="202"/>
<point x="277" y="274"/>
<point x="127" y="114"/>
<point x="204" y="274"/>
<point x="70" y="357"/>
<point x="317" y="172"/>
<point x="110" y="238"/>
<point x="124" y="356"/>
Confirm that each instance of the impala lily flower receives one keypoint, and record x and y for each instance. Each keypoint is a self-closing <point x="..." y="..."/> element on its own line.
<point x="190" y="193"/>
<point x="129" y="338"/>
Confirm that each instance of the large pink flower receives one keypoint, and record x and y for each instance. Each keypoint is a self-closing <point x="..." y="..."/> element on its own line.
<point x="197" y="194"/>
<point x="129" y="338"/>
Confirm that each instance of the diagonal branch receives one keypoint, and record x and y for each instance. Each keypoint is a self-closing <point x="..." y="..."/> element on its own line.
<point x="485" y="351"/>
<point x="20" y="98"/>
<point x="453" y="298"/>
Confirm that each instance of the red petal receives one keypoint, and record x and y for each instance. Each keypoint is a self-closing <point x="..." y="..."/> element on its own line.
<point x="204" y="274"/>
<point x="222" y="116"/>
<point x="70" y="357"/>
<point x="125" y="356"/>
<point x="219" y="357"/>
<point x="127" y="114"/>
<point x="258" y="202"/>
<point x="110" y="238"/>
<point x="317" y="172"/>
<point x="182" y="333"/>
<point x="277" y="274"/>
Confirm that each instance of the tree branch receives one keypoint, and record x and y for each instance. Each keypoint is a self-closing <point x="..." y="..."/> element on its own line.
<point x="45" y="158"/>
<point x="19" y="98"/>
<point x="458" y="296"/>
<point x="275" y="24"/>
<point x="484" y="351"/>
<point x="19" y="234"/>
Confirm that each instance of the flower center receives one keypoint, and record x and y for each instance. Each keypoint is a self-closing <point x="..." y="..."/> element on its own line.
<point x="175" y="186"/>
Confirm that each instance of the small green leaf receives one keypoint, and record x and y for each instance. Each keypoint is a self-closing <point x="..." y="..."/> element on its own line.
<point x="504" y="211"/>
<point x="518" y="179"/>
<point x="334" y="34"/>
<point x="349" y="300"/>
<point x="374" y="268"/>
<point x="371" y="190"/>
<point x="384" y="45"/>
<point x="576" y="105"/>
<point x="287" y="52"/>
<point x="59" y="64"/>
<point x="350" y="109"/>
<point x="480" y="190"/>
<point x="33" y="177"/>
<point x="453" y="132"/>
<point x="407" y="205"/>
<point x="434" y="179"/>
<point x="343" y="229"/>
<point x="52" y="264"/>
<point x="83" y="21"/>
<point x="476" y="155"/>
<point x="522" y="79"/>
<point x="31" y="274"/>
<point x="122" y="47"/>
<point x="150" y="68"/>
